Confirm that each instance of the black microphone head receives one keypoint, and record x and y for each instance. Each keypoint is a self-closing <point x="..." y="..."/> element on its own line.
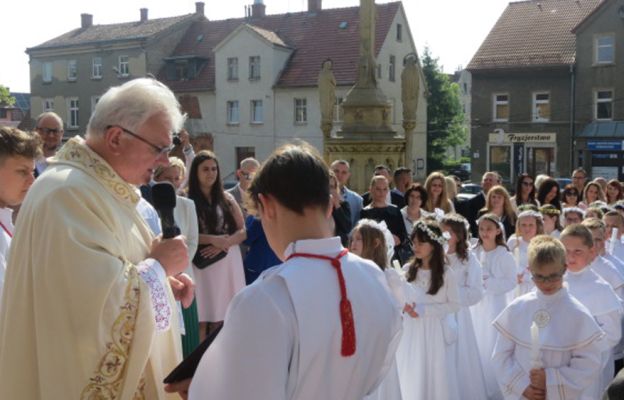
<point x="163" y="196"/>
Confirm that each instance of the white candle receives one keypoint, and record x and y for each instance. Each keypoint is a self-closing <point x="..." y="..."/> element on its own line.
<point x="614" y="234"/>
<point x="396" y="265"/>
<point x="536" y="362"/>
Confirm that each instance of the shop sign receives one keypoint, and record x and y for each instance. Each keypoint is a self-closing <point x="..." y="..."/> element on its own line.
<point x="604" y="145"/>
<point x="522" y="137"/>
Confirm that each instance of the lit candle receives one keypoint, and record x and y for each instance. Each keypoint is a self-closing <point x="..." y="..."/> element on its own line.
<point x="536" y="362"/>
<point x="396" y="265"/>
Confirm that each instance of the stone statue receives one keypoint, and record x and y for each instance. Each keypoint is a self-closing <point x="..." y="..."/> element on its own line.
<point x="327" y="97"/>
<point x="367" y="65"/>
<point x="410" y="87"/>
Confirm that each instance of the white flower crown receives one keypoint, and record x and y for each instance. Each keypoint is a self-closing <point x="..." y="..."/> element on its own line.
<point x="441" y="239"/>
<point x="531" y="213"/>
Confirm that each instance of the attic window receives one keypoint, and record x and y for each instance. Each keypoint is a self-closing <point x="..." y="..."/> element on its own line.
<point x="200" y="38"/>
<point x="183" y="69"/>
<point x="343" y="25"/>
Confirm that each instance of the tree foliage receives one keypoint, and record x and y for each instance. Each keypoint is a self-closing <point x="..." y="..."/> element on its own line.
<point x="445" y="115"/>
<point x="5" y="97"/>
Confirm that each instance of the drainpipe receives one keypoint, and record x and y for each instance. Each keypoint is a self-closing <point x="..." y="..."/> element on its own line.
<point x="572" y="116"/>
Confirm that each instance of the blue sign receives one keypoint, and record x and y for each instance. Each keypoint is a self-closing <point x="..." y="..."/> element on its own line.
<point x="606" y="145"/>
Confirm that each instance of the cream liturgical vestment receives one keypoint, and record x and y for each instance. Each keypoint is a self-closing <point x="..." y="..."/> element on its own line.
<point x="78" y="320"/>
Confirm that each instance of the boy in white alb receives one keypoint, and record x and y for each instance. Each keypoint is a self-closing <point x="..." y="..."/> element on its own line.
<point x="595" y="294"/>
<point x="323" y="324"/>
<point x="18" y="152"/>
<point x="614" y="220"/>
<point x="548" y="343"/>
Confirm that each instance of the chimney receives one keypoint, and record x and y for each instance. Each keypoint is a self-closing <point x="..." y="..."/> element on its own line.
<point x="315" y="5"/>
<point x="199" y="8"/>
<point x="86" y="20"/>
<point x="143" y="14"/>
<point x="258" y="9"/>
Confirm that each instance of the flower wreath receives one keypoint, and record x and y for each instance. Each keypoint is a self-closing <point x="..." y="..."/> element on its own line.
<point x="440" y="239"/>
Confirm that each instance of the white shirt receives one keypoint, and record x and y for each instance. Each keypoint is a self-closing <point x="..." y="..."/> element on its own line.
<point x="281" y="338"/>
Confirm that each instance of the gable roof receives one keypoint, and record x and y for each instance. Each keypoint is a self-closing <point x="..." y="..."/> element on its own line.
<point x="314" y="36"/>
<point x="595" y="11"/>
<point x="126" y="31"/>
<point x="533" y="34"/>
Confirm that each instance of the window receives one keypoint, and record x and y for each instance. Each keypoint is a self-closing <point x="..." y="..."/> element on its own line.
<point x="256" y="112"/>
<point x="94" y="101"/>
<point x="72" y="70"/>
<point x="243" y="153"/>
<point x="96" y="68"/>
<point x="123" y="67"/>
<point x="232" y="69"/>
<point x="500" y="160"/>
<point x="541" y="107"/>
<point x="46" y="71"/>
<point x="501" y="107"/>
<point x="48" y="105"/>
<point x="399" y="32"/>
<point x="301" y="111"/>
<point x="233" y="115"/>
<point x="605" y="49"/>
<point x="72" y="112"/>
<point x="338" y="110"/>
<point x="603" y="100"/>
<point x="254" y="67"/>
<point x="184" y="69"/>
<point x="391" y="68"/>
<point x="378" y="71"/>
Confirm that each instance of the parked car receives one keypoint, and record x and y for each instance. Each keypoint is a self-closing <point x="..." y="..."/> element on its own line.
<point x="462" y="171"/>
<point x="468" y="191"/>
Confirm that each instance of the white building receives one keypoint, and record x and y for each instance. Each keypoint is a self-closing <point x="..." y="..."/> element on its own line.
<point x="251" y="83"/>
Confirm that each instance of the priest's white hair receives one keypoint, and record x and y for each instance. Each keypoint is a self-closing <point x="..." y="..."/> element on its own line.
<point x="133" y="103"/>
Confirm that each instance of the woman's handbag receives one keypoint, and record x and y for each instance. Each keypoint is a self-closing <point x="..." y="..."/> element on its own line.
<point x="202" y="262"/>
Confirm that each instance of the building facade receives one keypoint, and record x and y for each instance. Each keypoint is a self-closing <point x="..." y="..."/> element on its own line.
<point x="523" y="82"/>
<point x="258" y="87"/>
<point x="69" y="73"/>
<point x="599" y="91"/>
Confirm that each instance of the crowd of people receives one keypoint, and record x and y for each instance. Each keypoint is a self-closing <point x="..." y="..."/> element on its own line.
<point x="404" y="292"/>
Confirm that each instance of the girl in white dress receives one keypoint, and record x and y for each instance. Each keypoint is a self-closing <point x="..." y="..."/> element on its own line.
<point x="373" y="241"/>
<point x="427" y="368"/>
<point x="499" y="278"/>
<point x="468" y="272"/>
<point x="552" y="225"/>
<point x="528" y="225"/>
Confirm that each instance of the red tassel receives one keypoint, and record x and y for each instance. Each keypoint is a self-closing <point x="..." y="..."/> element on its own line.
<point x="348" y="328"/>
<point x="346" y="312"/>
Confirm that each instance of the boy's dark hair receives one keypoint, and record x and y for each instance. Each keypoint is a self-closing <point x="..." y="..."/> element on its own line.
<point x="400" y="171"/>
<point x="295" y="175"/>
<point x="17" y="143"/>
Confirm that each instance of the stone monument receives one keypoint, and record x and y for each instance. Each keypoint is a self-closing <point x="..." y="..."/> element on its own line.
<point x="366" y="138"/>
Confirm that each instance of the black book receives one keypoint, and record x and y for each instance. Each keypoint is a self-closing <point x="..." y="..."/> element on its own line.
<point x="186" y="369"/>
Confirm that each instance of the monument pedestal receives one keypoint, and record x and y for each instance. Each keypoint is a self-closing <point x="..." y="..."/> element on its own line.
<point x="363" y="152"/>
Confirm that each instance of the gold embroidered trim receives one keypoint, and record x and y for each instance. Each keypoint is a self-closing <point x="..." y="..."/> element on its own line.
<point x="107" y="382"/>
<point x="77" y="152"/>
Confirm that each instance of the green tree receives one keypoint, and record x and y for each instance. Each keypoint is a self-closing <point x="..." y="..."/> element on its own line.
<point x="5" y="97"/>
<point x="444" y="113"/>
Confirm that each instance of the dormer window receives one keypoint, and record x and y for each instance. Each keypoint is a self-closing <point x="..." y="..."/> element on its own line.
<point x="184" y="68"/>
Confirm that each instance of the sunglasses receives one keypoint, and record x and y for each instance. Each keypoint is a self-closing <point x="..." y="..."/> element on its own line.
<point x="549" y="278"/>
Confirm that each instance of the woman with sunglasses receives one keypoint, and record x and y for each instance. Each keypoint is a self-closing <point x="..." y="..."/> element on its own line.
<point x="570" y="197"/>
<point x="525" y="192"/>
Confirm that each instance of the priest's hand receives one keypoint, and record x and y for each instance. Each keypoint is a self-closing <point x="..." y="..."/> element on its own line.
<point x="538" y="378"/>
<point x="171" y="254"/>
<point x="180" y="388"/>
<point x="183" y="289"/>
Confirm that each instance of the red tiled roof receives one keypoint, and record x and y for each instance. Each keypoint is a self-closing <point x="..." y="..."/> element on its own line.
<point x="314" y="36"/>
<point x="533" y="34"/>
<point x="113" y="32"/>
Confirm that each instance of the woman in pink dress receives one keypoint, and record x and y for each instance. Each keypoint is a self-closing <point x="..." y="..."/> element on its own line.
<point x="221" y="229"/>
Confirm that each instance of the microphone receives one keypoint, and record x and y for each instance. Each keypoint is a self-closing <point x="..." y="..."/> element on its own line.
<point x="164" y="200"/>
